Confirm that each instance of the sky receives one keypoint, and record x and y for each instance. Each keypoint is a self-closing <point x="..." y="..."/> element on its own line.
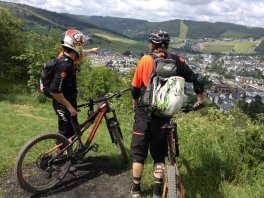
<point x="243" y="12"/>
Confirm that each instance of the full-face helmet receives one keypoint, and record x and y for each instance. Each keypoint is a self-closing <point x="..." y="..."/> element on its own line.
<point x="74" y="40"/>
<point x="169" y="98"/>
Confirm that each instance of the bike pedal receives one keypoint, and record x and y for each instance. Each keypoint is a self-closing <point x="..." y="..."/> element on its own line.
<point x="95" y="147"/>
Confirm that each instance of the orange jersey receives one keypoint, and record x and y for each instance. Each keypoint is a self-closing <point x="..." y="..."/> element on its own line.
<point x="144" y="70"/>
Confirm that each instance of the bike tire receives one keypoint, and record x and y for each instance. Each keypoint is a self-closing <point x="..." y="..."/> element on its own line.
<point x="117" y="135"/>
<point x="173" y="183"/>
<point x="31" y="173"/>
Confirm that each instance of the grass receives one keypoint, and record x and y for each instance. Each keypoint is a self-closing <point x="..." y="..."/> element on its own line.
<point x="211" y="162"/>
<point x="182" y="36"/>
<point x="183" y="31"/>
<point x="210" y="159"/>
<point x="18" y="124"/>
<point x="234" y="34"/>
<point x="23" y="117"/>
<point x="245" y="47"/>
<point x="110" y="41"/>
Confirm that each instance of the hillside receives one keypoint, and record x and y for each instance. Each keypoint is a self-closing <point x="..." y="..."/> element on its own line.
<point x="132" y="28"/>
<point x="124" y="34"/>
<point x="221" y="30"/>
<point x="41" y="21"/>
<point x="139" y="29"/>
<point x="34" y="17"/>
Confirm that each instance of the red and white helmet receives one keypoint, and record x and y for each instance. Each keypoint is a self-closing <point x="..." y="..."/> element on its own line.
<point x="74" y="40"/>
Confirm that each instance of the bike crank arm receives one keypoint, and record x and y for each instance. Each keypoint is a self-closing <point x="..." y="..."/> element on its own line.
<point x="63" y="160"/>
<point x="93" y="147"/>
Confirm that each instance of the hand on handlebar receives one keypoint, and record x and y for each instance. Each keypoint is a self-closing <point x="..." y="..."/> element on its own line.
<point x="197" y="106"/>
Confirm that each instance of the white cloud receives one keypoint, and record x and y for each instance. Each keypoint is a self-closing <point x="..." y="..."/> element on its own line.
<point x="244" y="12"/>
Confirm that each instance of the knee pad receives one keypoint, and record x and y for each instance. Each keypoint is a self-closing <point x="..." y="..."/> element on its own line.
<point x="158" y="172"/>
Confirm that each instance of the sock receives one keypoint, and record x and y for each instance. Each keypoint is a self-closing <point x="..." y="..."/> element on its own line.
<point x="157" y="189"/>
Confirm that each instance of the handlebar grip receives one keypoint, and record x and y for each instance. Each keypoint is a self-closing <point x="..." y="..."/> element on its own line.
<point x="117" y="94"/>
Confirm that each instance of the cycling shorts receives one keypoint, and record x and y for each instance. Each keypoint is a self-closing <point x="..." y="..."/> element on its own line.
<point x="147" y="135"/>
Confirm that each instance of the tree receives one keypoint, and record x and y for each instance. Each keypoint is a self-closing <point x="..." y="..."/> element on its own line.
<point x="97" y="81"/>
<point x="127" y="53"/>
<point x="10" y="45"/>
<point x="39" y="49"/>
<point x="254" y="109"/>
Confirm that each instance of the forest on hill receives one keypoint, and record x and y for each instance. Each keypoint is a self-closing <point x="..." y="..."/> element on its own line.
<point x="132" y="28"/>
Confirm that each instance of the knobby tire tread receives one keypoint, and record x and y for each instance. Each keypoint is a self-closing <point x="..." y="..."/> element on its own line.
<point x="171" y="179"/>
<point x="173" y="190"/>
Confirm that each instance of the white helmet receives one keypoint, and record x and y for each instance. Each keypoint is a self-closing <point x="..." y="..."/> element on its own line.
<point x="170" y="97"/>
<point x="74" y="40"/>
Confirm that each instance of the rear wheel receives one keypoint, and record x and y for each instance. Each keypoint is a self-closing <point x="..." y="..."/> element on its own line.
<point x="173" y="182"/>
<point x="38" y="166"/>
<point x="117" y="135"/>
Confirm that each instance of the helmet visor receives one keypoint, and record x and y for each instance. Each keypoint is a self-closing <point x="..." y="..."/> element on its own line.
<point x="86" y="37"/>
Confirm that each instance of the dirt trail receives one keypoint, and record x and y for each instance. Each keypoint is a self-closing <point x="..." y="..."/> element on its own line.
<point x="96" y="177"/>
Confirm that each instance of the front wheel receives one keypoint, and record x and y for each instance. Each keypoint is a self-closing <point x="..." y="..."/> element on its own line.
<point x="38" y="166"/>
<point x="117" y="135"/>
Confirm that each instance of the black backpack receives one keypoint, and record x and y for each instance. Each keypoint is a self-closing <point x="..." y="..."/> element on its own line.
<point x="47" y="75"/>
<point x="164" y="88"/>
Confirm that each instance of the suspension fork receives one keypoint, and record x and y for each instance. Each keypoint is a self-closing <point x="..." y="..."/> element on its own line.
<point x="114" y="117"/>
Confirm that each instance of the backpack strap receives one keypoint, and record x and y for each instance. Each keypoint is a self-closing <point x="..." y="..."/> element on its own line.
<point x="147" y="96"/>
<point x="59" y="59"/>
<point x="155" y="57"/>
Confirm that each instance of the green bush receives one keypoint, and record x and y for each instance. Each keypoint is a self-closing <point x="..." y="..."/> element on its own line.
<point x="36" y="54"/>
<point x="222" y="146"/>
<point x="97" y="81"/>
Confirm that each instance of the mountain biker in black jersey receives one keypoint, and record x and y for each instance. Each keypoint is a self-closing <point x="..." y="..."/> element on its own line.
<point x="147" y="127"/>
<point x="63" y="85"/>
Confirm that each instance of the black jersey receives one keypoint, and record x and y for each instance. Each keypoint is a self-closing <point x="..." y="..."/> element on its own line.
<point x="64" y="80"/>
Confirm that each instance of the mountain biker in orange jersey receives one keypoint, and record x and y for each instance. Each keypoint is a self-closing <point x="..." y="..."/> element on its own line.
<point x="146" y="133"/>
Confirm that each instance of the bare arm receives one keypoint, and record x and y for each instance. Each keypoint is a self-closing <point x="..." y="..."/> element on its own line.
<point x="88" y="51"/>
<point x="200" y="98"/>
<point x="200" y="101"/>
<point x="61" y="99"/>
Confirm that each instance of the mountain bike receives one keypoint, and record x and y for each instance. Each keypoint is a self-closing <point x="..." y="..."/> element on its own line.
<point x="44" y="161"/>
<point x="173" y="187"/>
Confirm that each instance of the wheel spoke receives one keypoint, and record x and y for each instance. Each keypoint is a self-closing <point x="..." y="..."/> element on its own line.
<point x="39" y="167"/>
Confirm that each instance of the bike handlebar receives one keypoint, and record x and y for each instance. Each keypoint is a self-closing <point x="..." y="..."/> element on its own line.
<point x="105" y="98"/>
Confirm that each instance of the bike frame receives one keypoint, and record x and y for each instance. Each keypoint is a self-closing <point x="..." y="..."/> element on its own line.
<point x="93" y="118"/>
<point x="96" y="118"/>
